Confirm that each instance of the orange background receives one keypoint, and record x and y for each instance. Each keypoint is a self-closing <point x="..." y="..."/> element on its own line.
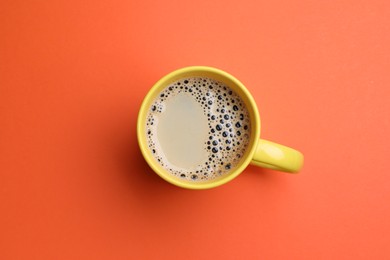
<point x="73" y="184"/>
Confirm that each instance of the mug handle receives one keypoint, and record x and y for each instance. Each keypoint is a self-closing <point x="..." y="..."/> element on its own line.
<point x="277" y="157"/>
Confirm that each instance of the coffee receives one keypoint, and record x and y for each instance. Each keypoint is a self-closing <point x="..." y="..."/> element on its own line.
<point x="198" y="129"/>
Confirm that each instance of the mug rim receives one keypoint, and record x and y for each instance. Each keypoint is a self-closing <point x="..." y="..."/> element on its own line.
<point x="141" y="128"/>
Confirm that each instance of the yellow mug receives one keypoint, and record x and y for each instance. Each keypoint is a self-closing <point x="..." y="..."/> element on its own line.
<point x="259" y="152"/>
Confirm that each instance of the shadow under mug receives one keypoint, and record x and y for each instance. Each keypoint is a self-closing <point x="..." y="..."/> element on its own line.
<point x="259" y="152"/>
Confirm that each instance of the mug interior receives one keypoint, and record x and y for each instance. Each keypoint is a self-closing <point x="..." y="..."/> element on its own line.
<point x="216" y="74"/>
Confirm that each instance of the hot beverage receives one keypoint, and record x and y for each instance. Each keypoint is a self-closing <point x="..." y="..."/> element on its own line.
<point x="198" y="129"/>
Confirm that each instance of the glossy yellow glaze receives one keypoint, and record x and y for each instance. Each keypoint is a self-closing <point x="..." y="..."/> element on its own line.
<point x="259" y="152"/>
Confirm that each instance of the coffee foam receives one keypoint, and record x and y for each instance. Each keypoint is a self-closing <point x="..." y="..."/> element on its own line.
<point x="228" y="127"/>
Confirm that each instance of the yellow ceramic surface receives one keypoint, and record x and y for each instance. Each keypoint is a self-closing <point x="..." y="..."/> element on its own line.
<point x="259" y="152"/>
